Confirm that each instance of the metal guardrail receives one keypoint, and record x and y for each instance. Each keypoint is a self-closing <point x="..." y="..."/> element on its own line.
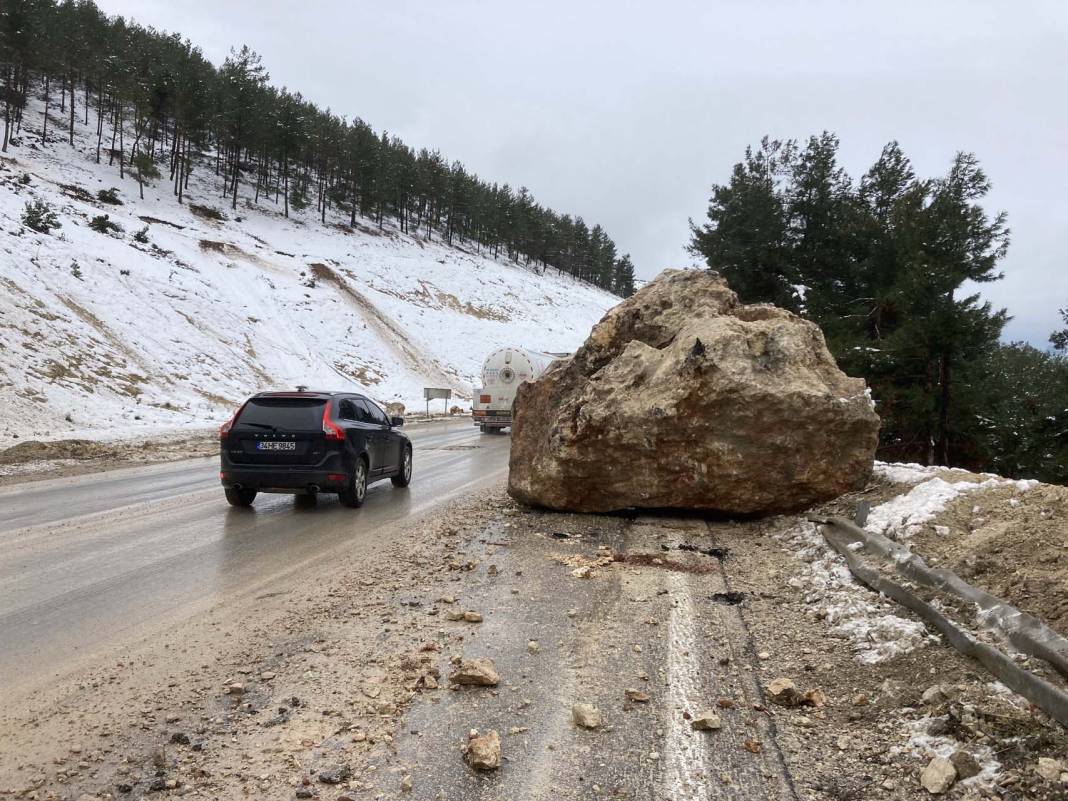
<point x="1024" y="631"/>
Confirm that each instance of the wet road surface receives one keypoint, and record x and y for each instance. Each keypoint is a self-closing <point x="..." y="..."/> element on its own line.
<point x="89" y="561"/>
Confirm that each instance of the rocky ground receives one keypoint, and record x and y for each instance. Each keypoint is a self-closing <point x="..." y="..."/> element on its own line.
<point x="496" y="652"/>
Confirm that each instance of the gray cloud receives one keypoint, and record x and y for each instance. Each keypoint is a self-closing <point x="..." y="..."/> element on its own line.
<point x="626" y="112"/>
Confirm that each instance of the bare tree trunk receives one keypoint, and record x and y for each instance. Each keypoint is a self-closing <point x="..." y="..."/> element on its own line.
<point x="7" y="107"/>
<point x="179" y="166"/>
<point x="72" y="109"/>
<point x="44" y="127"/>
<point x="122" y="149"/>
<point x="114" y="130"/>
<point x="99" y="122"/>
<point x="188" y="160"/>
<point x="20" y="75"/>
<point x="945" y="376"/>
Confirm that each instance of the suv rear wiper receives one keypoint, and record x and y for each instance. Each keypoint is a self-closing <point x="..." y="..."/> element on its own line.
<point x="262" y="425"/>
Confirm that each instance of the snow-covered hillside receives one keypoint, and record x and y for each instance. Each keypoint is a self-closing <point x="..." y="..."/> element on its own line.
<point x="103" y="334"/>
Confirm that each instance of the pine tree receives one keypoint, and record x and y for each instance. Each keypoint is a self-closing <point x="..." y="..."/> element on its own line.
<point x="1059" y="339"/>
<point x="746" y="237"/>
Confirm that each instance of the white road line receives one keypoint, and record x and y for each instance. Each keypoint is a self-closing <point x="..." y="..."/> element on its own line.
<point x="686" y="773"/>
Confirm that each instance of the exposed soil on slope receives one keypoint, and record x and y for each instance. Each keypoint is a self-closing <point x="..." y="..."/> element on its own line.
<point x="1012" y="544"/>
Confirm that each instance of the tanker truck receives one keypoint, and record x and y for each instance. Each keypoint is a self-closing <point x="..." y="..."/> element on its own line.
<point x="502" y="373"/>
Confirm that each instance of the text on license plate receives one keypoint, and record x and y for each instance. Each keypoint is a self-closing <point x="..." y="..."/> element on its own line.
<point x="276" y="446"/>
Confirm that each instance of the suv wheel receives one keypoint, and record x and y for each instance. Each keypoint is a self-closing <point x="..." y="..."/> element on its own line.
<point x="240" y="497"/>
<point x="353" y="495"/>
<point x="404" y="477"/>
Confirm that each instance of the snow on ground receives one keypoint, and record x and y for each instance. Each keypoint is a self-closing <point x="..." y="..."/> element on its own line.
<point x="901" y="517"/>
<point x="103" y="335"/>
<point x="854" y="613"/>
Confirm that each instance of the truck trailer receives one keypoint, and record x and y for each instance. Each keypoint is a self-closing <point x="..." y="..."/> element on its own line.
<point x="502" y="373"/>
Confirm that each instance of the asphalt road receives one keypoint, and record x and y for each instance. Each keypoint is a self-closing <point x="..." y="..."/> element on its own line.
<point x="88" y="562"/>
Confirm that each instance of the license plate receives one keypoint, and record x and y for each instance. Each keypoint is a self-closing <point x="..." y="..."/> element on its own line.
<point x="276" y="446"/>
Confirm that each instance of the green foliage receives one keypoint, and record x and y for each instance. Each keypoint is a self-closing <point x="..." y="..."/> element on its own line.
<point x="623" y="277"/>
<point x="109" y="196"/>
<point x="141" y="235"/>
<point x="103" y="224"/>
<point x="1022" y="397"/>
<point x="39" y="216"/>
<point x="25" y="179"/>
<point x="1059" y="339"/>
<point x="298" y="196"/>
<point x="879" y="264"/>
<point x="76" y="270"/>
<point x="275" y="145"/>
<point x="145" y="167"/>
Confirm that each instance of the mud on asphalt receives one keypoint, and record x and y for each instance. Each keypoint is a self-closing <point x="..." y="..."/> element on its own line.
<point x="337" y="686"/>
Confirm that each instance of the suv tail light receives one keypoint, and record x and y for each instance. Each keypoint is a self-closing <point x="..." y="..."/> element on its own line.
<point x="331" y="430"/>
<point x="224" y="429"/>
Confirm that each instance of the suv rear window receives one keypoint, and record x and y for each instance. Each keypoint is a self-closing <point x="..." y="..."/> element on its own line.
<point x="291" y="414"/>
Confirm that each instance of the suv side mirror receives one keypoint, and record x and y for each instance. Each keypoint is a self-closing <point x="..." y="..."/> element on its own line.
<point x="396" y="422"/>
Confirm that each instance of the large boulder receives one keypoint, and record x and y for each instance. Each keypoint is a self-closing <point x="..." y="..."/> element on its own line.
<point x="682" y="397"/>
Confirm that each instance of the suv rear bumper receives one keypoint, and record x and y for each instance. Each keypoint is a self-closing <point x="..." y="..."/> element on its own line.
<point x="277" y="479"/>
<point x="328" y="475"/>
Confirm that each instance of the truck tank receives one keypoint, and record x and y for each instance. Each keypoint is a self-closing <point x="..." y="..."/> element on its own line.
<point x="502" y="373"/>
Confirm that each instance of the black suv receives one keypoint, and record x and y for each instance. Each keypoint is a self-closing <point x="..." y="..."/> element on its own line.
<point x="310" y="442"/>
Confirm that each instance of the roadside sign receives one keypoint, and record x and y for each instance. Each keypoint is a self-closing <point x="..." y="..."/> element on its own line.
<point x="434" y="393"/>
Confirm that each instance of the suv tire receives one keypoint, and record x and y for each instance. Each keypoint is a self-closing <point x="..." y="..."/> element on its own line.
<point x="353" y="494"/>
<point x="240" y="497"/>
<point x="404" y="477"/>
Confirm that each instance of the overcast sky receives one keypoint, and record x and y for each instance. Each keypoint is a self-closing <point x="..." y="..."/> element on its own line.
<point x="626" y="113"/>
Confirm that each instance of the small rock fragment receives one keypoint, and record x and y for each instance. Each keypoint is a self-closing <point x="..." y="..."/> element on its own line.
<point x="335" y="774"/>
<point x="479" y="672"/>
<point x="706" y="720"/>
<point x="235" y="689"/>
<point x="933" y="696"/>
<point x="965" y="764"/>
<point x="784" y="692"/>
<point x="472" y="616"/>
<point x="1049" y="769"/>
<point x="636" y="695"/>
<point x="483" y="752"/>
<point x="586" y="715"/>
<point x="406" y="784"/>
<point x="938" y="776"/>
<point x="533" y="647"/>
